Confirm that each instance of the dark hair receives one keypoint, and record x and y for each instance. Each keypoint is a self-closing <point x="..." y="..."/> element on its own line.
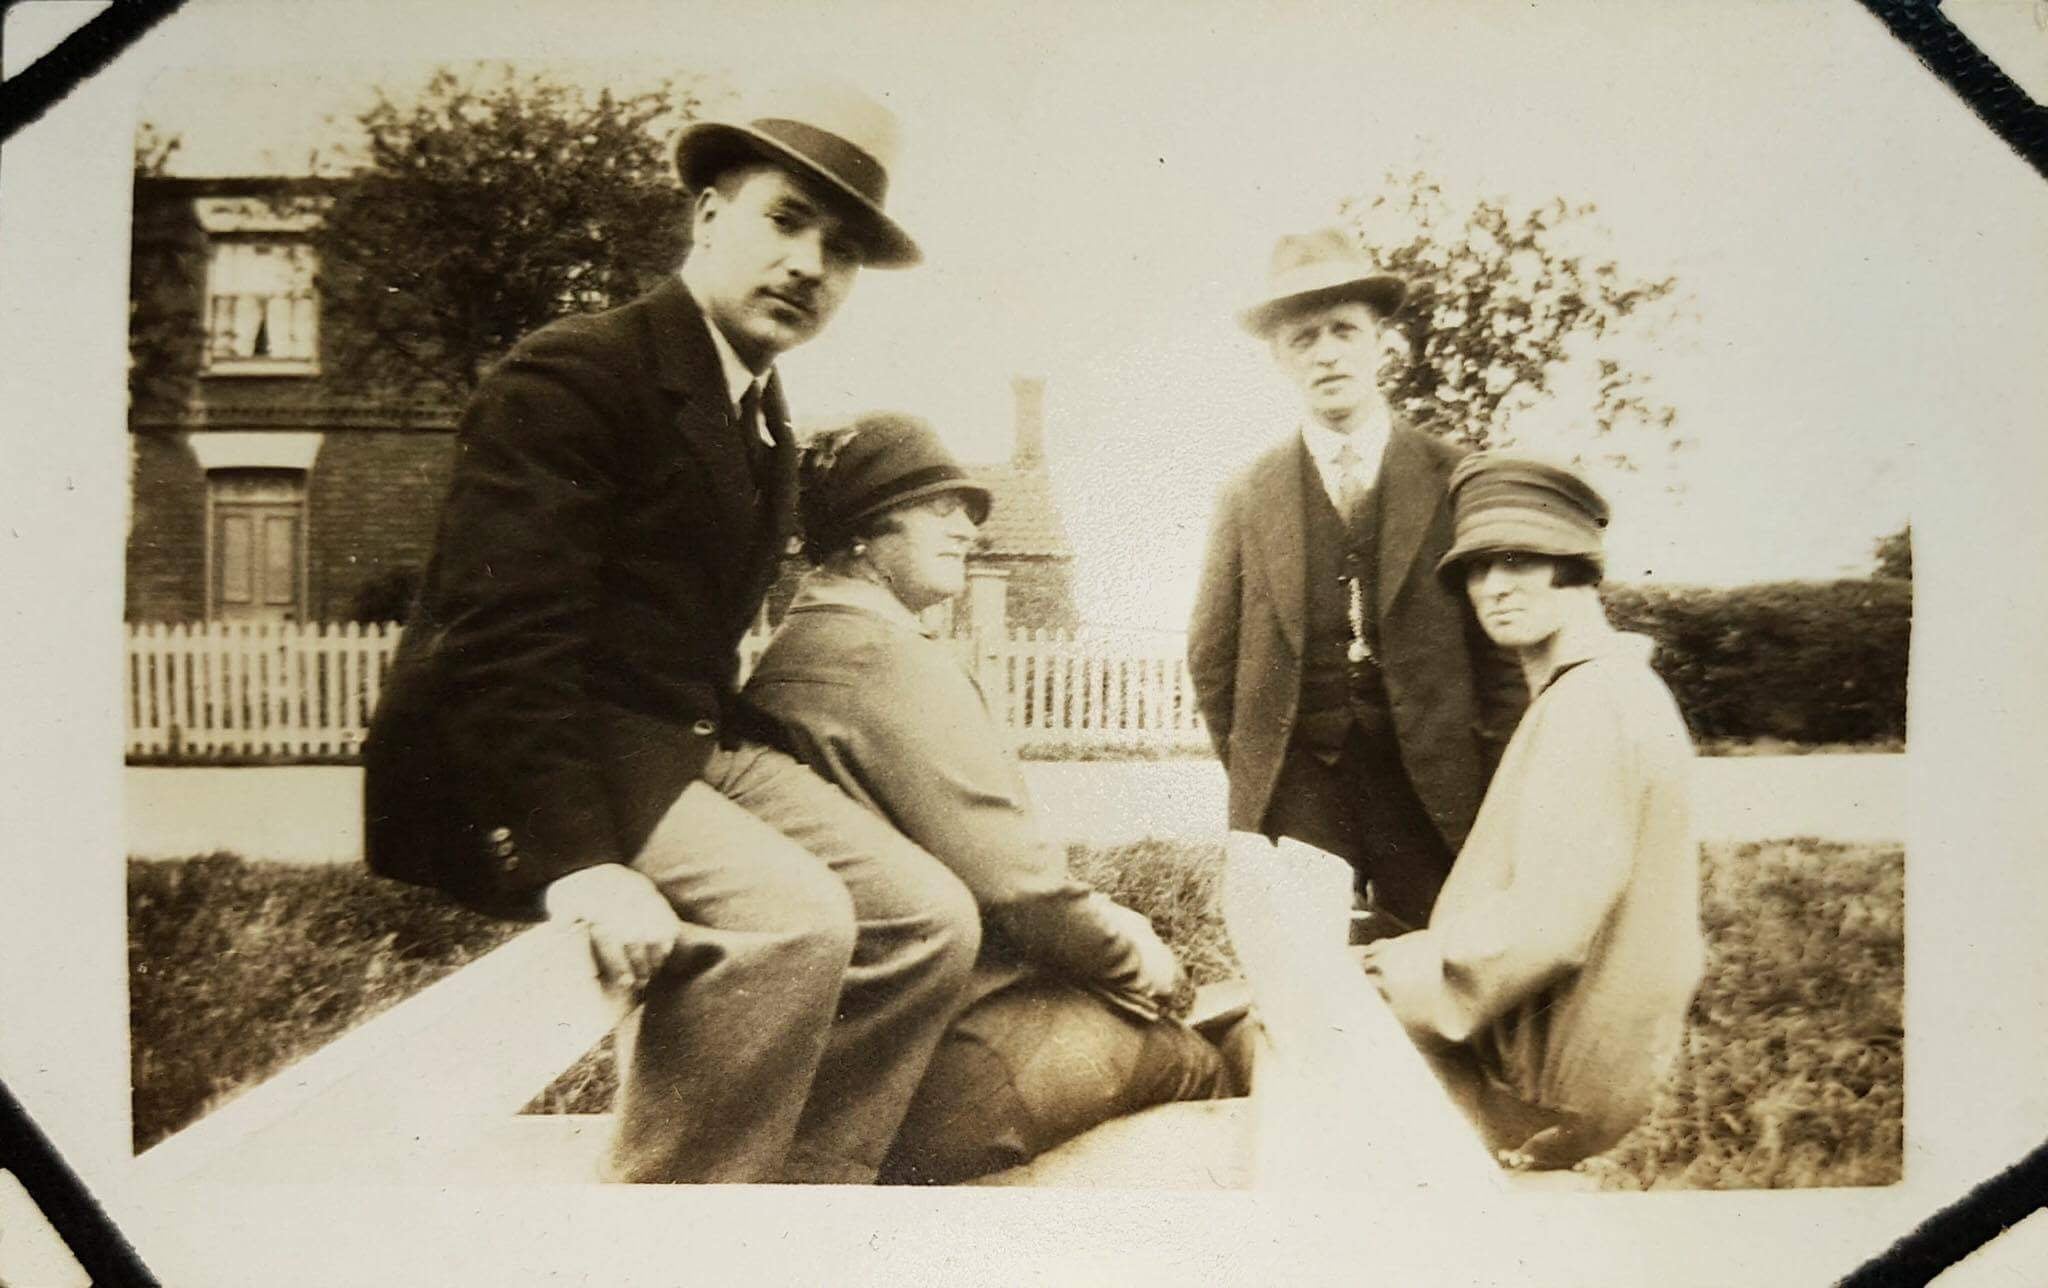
<point x="819" y="455"/>
<point x="1574" y="570"/>
<point x="1565" y="570"/>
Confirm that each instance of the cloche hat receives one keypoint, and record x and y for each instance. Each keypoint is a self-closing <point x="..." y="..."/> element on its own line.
<point x="1502" y="503"/>
<point x="879" y="462"/>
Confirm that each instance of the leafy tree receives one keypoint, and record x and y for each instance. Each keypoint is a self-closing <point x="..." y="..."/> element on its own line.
<point x="482" y="208"/>
<point x="164" y="287"/>
<point x="1895" y="555"/>
<point x="1502" y="300"/>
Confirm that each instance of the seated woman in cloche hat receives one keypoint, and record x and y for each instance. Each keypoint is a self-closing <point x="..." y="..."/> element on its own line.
<point x="1551" y="987"/>
<point x="1065" y="1026"/>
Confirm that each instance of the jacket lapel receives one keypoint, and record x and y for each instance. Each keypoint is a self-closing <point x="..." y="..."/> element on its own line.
<point x="1279" y="532"/>
<point x="686" y="366"/>
<point x="1411" y="491"/>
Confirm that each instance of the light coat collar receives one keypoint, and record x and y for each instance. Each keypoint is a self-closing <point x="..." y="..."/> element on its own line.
<point x="1590" y="640"/>
<point x="822" y="588"/>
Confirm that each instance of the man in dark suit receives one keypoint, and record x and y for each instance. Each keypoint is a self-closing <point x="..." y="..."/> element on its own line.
<point x="560" y="734"/>
<point x="1352" y="699"/>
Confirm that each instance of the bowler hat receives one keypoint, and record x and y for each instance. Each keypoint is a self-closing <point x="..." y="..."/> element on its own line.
<point x="1502" y="503"/>
<point x="879" y="462"/>
<point x="1310" y="270"/>
<point x="822" y="129"/>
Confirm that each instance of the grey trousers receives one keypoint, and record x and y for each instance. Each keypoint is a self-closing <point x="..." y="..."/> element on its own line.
<point x="822" y="955"/>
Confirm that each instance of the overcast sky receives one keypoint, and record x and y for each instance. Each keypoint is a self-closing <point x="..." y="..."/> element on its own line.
<point x="1864" y="265"/>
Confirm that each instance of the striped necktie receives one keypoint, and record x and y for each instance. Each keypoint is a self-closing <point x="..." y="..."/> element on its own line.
<point x="1351" y="484"/>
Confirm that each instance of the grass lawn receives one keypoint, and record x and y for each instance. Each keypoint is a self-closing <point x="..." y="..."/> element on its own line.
<point x="1793" y="1075"/>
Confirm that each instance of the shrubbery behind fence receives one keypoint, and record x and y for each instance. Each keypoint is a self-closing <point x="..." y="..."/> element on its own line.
<point x="1810" y="661"/>
<point x="1802" y="662"/>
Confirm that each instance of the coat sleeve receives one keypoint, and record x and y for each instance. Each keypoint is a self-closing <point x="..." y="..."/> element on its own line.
<point x="510" y="604"/>
<point x="1572" y="841"/>
<point x="916" y="743"/>
<point x="1212" y="630"/>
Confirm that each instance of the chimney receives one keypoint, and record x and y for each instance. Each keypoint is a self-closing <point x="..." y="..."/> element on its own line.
<point x="1028" y="448"/>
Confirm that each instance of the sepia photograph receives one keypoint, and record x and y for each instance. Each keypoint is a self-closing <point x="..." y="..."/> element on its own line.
<point x="1049" y="645"/>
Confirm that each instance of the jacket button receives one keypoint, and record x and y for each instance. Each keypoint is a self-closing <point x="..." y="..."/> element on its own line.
<point x="704" y="728"/>
<point x="500" y="835"/>
<point x="510" y="862"/>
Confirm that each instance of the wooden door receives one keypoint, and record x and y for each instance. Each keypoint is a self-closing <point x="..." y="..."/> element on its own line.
<point x="258" y="553"/>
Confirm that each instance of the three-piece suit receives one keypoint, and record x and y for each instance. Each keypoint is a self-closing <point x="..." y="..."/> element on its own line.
<point x="1382" y="759"/>
<point x="567" y="681"/>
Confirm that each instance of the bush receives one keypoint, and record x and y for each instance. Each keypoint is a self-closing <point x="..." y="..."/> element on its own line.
<point x="1802" y="662"/>
<point x="386" y="597"/>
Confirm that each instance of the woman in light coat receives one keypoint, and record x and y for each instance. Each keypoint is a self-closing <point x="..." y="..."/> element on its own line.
<point x="1065" y="1023"/>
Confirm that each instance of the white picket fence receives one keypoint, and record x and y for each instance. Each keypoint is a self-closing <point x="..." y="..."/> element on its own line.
<point x="215" y="690"/>
<point x="1094" y="689"/>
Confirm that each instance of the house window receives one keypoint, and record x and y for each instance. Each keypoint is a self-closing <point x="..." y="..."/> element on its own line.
<point x="262" y="317"/>
<point x="256" y="545"/>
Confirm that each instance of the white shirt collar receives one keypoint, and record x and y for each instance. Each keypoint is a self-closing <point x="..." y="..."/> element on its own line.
<point x="738" y="378"/>
<point x="1368" y="437"/>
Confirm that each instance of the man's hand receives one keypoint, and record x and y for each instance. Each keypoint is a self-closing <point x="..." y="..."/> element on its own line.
<point x="632" y="928"/>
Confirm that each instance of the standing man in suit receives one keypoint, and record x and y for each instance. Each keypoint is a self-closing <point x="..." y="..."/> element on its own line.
<point x="560" y="735"/>
<point x="1352" y="700"/>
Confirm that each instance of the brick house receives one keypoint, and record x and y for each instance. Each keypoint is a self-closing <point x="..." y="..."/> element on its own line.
<point x="264" y="487"/>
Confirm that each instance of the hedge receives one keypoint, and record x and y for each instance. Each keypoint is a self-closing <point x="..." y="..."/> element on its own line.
<point x="1806" y="662"/>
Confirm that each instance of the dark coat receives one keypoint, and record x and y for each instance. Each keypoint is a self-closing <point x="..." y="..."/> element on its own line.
<point x="570" y="663"/>
<point x="1455" y="697"/>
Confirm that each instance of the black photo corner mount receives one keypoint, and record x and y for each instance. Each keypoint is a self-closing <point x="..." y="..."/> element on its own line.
<point x="107" y="1258"/>
<point x="38" y="87"/>
<point x="1960" y="1229"/>
<point x="1944" y="50"/>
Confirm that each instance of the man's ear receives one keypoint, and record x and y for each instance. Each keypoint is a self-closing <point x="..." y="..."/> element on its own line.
<point x="703" y="209"/>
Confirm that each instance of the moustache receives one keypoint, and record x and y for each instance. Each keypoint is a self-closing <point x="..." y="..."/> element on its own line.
<point x="803" y="302"/>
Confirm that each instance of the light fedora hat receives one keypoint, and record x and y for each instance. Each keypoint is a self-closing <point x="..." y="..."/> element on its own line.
<point x="824" y="129"/>
<point x="1313" y="269"/>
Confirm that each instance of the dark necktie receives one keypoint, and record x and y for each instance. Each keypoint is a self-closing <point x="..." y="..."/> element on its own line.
<point x="749" y="420"/>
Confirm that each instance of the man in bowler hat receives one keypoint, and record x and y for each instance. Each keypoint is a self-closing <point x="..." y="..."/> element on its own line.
<point x="560" y="735"/>
<point x="1354" y="703"/>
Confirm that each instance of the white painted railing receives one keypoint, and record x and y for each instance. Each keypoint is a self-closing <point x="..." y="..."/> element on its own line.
<point x="428" y="1091"/>
<point x="212" y="690"/>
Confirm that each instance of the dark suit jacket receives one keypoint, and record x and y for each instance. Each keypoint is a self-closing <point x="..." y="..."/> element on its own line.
<point x="570" y="663"/>
<point x="1455" y="696"/>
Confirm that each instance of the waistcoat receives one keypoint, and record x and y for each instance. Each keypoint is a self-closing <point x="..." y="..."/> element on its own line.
<point x="1337" y="693"/>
